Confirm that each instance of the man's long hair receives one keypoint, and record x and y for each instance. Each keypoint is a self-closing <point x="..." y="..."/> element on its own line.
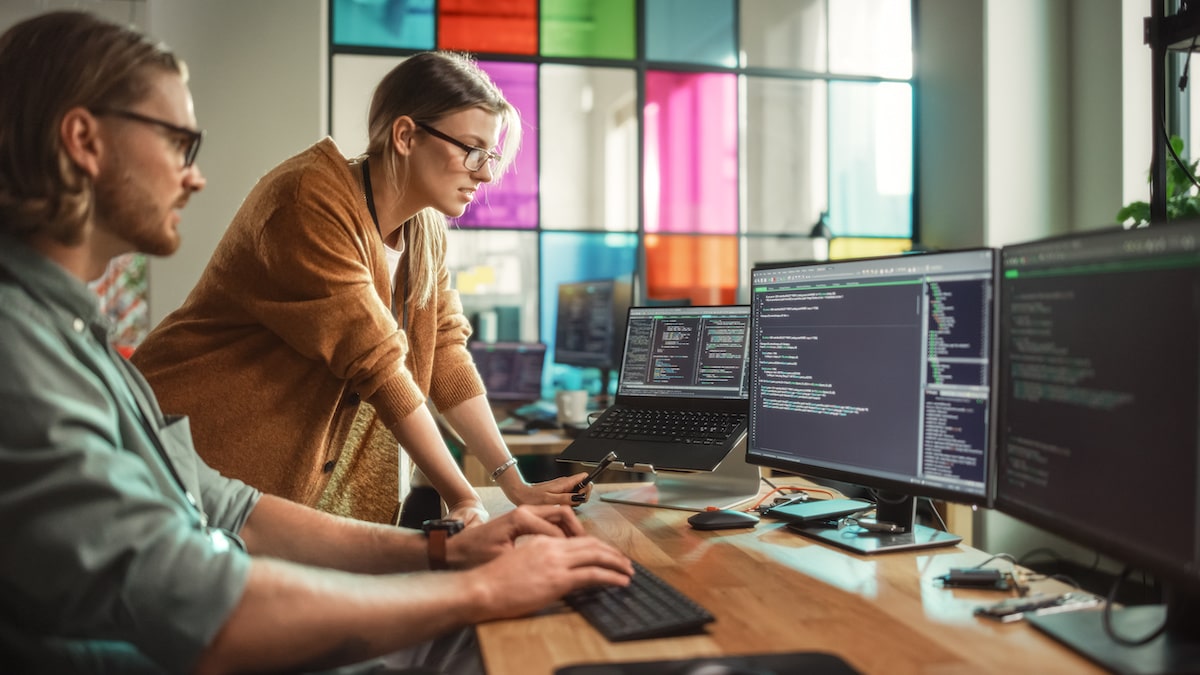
<point x="49" y="65"/>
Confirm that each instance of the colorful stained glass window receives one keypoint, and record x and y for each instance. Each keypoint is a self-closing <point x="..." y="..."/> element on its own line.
<point x="488" y="26"/>
<point x="715" y="143"/>
<point x="513" y="200"/>
<point x="690" y="180"/>
<point x="600" y="29"/>
<point x="402" y="24"/>
<point x="691" y="31"/>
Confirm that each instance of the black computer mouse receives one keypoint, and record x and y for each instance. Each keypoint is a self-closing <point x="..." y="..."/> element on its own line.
<point x="722" y="519"/>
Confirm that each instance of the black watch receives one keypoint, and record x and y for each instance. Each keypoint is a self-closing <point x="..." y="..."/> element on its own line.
<point x="437" y="532"/>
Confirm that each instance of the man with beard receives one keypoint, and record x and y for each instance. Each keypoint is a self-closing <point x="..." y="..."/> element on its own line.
<point x="123" y="551"/>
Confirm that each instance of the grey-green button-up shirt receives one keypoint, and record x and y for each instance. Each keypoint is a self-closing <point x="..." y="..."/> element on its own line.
<point x="116" y="551"/>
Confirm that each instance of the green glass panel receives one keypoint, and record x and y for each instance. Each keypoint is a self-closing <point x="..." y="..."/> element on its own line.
<point x="599" y="29"/>
<point x="691" y="31"/>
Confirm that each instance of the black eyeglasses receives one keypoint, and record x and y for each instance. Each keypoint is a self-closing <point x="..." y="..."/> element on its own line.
<point x="189" y="138"/>
<point x="476" y="157"/>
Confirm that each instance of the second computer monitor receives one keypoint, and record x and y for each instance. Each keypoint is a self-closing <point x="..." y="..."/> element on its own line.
<point x="878" y="373"/>
<point x="511" y="371"/>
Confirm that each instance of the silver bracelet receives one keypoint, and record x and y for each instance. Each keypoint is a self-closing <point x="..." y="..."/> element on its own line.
<point x="503" y="467"/>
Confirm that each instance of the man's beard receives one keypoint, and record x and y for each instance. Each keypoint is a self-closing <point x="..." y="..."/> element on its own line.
<point x="127" y="211"/>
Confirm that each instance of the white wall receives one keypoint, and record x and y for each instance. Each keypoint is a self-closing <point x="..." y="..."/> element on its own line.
<point x="259" y="81"/>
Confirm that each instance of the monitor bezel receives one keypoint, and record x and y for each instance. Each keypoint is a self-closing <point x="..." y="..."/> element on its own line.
<point x="880" y="483"/>
<point x="1081" y="531"/>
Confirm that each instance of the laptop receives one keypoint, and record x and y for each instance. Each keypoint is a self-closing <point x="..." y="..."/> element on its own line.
<point x="685" y="374"/>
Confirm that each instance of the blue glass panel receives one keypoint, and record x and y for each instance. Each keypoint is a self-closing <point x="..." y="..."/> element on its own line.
<point x="870" y="159"/>
<point x="583" y="256"/>
<point x="691" y="31"/>
<point x="406" y="24"/>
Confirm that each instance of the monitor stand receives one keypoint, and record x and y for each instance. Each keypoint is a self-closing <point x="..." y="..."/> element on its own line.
<point x="890" y="508"/>
<point x="1176" y="650"/>
<point x="732" y="482"/>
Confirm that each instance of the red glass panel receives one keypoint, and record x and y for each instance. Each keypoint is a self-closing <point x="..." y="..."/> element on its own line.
<point x="490" y="26"/>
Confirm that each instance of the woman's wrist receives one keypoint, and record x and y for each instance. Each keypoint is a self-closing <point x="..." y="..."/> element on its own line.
<point x="511" y="483"/>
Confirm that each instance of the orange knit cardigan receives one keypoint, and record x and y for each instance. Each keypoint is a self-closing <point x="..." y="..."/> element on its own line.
<point x="290" y="328"/>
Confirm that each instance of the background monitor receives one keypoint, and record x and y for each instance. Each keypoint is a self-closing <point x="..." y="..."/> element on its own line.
<point x="1099" y="422"/>
<point x="877" y="372"/>
<point x="511" y="371"/>
<point x="589" y="329"/>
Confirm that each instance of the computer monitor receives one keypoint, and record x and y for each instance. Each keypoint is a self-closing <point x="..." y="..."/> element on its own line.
<point x="511" y="371"/>
<point x="1099" y="361"/>
<point x="877" y="372"/>
<point x="589" y="329"/>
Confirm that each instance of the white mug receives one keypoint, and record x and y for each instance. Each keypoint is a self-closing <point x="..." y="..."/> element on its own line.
<point x="572" y="406"/>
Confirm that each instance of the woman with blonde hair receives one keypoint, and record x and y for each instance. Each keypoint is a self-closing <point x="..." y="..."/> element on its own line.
<point x="325" y="317"/>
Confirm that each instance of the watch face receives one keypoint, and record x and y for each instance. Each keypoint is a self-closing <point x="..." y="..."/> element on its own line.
<point x="450" y="525"/>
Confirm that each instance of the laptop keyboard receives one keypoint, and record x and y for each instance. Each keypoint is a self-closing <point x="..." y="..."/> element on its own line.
<point x="647" y="608"/>
<point x="670" y="426"/>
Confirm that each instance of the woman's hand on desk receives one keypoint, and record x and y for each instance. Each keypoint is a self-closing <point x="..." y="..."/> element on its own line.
<point x="557" y="491"/>
<point x="469" y="511"/>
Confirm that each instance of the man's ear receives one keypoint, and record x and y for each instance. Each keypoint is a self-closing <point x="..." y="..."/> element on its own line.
<point x="80" y="136"/>
<point x="403" y="130"/>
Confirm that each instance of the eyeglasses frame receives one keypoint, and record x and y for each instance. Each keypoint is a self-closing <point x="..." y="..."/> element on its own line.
<point x="194" y="136"/>
<point x="488" y="155"/>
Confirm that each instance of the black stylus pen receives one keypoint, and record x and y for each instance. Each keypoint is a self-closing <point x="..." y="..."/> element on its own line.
<point x="608" y="459"/>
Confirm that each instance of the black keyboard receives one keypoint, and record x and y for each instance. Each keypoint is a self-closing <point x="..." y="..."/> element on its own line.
<point x="647" y="608"/>
<point x="672" y="426"/>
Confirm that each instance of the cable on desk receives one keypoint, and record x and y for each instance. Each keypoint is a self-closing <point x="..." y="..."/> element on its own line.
<point x="1106" y="617"/>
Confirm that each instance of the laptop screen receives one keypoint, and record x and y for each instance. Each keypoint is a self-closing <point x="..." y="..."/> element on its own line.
<point x="686" y="352"/>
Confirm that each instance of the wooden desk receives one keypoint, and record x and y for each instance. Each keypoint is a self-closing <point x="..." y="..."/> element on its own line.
<point x="775" y="591"/>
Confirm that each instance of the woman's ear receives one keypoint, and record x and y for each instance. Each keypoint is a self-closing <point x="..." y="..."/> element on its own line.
<point x="403" y="131"/>
<point x="80" y="137"/>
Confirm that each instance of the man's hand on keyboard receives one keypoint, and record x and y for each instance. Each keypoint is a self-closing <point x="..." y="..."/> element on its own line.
<point x="541" y="569"/>
<point x="477" y="545"/>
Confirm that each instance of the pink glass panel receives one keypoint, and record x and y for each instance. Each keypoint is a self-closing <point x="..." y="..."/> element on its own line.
<point x="691" y="170"/>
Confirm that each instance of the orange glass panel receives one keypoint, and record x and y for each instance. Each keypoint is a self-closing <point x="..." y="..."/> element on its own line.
<point x="703" y="269"/>
<point x="490" y="26"/>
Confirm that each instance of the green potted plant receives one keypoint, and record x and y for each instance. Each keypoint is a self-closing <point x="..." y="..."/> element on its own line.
<point x="1182" y="199"/>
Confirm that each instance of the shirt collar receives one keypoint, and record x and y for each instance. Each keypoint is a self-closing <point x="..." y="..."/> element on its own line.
<point x="48" y="281"/>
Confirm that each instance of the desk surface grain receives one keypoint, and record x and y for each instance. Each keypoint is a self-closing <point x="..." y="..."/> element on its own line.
<point x="774" y="591"/>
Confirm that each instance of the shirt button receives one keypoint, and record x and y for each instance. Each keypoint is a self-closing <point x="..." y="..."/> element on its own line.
<point x="78" y="325"/>
<point x="329" y="466"/>
<point x="353" y="398"/>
